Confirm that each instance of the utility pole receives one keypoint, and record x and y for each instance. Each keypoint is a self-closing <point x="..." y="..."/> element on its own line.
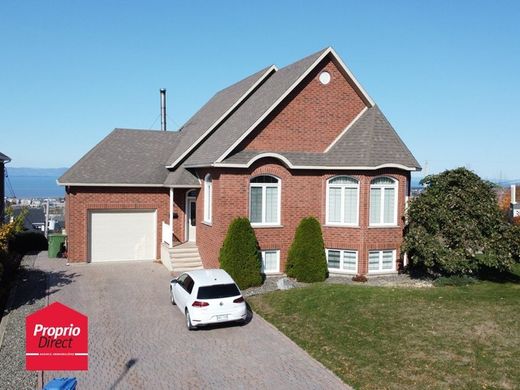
<point x="46" y="226"/>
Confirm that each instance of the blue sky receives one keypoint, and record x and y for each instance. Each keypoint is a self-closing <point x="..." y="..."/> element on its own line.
<point x="446" y="74"/>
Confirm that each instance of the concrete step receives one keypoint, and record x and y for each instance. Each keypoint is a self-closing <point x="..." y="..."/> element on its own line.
<point x="185" y="257"/>
<point x="183" y="250"/>
<point x="182" y="256"/>
<point x="193" y="263"/>
<point x="185" y="269"/>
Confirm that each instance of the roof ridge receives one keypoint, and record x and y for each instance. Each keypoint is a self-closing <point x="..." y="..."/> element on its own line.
<point x="145" y="130"/>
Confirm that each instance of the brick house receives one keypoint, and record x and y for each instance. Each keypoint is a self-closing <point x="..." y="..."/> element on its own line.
<point x="3" y="160"/>
<point x="278" y="146"/>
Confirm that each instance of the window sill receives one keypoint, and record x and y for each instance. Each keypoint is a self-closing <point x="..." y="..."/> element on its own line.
<point x="335" y="271"/>
<point x="255" y="226"/>
<point x="206" y="223"/>
<point x="381" y="273"/>
<point x="384" y="226"/>
<point x="338" y="225"/>
<point x="273" y="273"/>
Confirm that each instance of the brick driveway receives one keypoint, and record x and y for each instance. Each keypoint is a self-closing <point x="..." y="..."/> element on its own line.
<point x="132" y="321"/>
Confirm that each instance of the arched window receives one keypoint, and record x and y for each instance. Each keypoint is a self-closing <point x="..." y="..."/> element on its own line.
<point x="264" y="200"/>
<point x="208" y="198"/>
<point x="383" y="201"/>
<point x="342" y="201"/>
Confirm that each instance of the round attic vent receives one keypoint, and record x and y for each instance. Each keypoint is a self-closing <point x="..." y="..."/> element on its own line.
<point x="324" y="78"/>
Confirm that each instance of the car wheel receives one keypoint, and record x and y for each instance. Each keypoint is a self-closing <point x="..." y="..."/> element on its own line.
<point x="188" y="321"/>
<point x="172" y="298"/>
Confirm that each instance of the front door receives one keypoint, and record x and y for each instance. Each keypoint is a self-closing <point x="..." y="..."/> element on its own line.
<point x="191" y="219"/>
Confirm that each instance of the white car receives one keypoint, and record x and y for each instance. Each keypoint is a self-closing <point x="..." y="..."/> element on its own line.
<point x="208" y="296"/>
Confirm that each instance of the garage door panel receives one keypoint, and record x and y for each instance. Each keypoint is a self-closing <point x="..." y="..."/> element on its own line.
<point x="122" y="235"/>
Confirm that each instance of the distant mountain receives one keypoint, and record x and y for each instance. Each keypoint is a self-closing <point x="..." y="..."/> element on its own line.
<point x="33" y="182"/>
<point x="48" y="172"/>
<point x="503" y="183"/>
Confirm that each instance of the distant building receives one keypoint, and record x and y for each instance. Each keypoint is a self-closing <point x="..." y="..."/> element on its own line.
<point x="35" y="219"/>
<point x="515" y="202"/>
<point x="3" y="160"/>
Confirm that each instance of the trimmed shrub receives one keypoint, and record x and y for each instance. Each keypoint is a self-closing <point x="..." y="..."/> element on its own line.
<point x="29" y="241"/>
<point x="306" y="260"/>
<point x="239" y="255"/>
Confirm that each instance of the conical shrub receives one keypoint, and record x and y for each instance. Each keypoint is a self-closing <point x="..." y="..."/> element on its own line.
<point x="306" y="260"/>
<point x="239" y="255"/>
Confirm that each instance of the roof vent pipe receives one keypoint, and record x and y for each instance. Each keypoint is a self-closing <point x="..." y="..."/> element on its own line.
<point x="163" y="109"/>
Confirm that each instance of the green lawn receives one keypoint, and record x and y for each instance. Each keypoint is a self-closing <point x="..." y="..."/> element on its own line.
<point x="377" y="337"/>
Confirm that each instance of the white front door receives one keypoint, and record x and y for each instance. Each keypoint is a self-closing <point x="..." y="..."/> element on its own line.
<point x="191" y="216"/>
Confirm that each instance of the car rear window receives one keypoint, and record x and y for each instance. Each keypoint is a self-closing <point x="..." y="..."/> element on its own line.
<point x="218" y="291"/>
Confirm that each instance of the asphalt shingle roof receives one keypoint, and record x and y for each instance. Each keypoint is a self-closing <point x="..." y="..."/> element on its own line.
<point x="370" y="142"/>
<point x="125" y="157"/>
<point x="211" y="112"/>
<point x="141" y="156"/>
<point x="181" y="177"/>
<point x="3" y="157"/>
<point x="250" y="111"/>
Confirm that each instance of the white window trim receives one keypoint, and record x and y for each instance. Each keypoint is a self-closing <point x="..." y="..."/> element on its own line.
<point x="208" y="198"/>
<point x="264" y="208"/>
<point x="381" y="270"/>
<point x="277" y="271"/>
<point x="382" y="202"/>
<point x="342" y="186"/>
<point x="340" y="270"/>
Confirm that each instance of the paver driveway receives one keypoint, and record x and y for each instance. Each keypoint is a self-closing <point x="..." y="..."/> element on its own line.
<point x="132" y="323"/>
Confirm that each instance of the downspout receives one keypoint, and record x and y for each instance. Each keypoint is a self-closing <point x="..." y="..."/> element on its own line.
<point x="171" y="216"/>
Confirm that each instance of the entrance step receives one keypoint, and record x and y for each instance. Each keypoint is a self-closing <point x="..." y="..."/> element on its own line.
<point x="184" y="257"/>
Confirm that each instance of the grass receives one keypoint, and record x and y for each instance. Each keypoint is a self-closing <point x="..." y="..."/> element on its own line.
<point x="389" y="338"/>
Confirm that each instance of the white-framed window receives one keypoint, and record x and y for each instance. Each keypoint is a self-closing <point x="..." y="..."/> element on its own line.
<point x="270" y="261"/>
<point x="383" y="201"/>
<point x="342" y="201"/>
<point x="264" y="200"/>
<point x="381" y="261"/>
<point x="208" y="198"/>
<point x="342" y="260"/>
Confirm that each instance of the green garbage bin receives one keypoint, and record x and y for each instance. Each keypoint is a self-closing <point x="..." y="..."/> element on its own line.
<point x="55" y="241"/>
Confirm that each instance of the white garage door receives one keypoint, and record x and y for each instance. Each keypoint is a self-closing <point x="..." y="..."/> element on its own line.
<point x="121" y="235"/>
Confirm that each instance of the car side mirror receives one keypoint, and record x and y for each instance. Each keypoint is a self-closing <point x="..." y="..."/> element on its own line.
<point x="174" y="281"/>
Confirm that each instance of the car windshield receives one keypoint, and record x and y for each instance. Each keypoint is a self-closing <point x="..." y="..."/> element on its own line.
<point x="218" y="291"/>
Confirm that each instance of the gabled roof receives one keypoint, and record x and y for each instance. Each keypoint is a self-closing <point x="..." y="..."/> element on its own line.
<point x="212" y="135"/>
<point x="3" y="158"/>
<point x="125" y="157"/>
<point x="256" y="108"/>
<point x="370" y="143"/>
<point x="214" y="112"/>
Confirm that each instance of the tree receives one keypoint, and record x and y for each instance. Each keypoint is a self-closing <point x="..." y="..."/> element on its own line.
<point x="306" y="259"/>
<point x="240" y="256"/>
<point x="456" y="227"/>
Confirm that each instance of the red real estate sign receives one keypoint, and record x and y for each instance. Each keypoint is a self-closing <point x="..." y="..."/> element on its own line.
<point x="56" y="338"/>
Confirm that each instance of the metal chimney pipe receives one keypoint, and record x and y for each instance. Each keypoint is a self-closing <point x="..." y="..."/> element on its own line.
<point x="163" y="109"/>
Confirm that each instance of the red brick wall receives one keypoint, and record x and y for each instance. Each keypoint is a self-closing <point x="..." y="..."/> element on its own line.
<point x="80" y="200"/>
<point x="314" y="115"/>
<point x="303" y="194"/>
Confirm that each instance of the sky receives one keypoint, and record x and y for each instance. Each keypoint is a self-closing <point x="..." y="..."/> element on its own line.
<point x="445" y="73"/>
